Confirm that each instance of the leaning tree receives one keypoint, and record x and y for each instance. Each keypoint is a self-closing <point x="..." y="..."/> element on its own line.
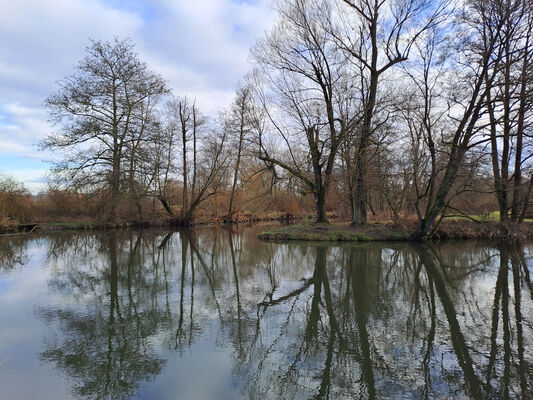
<point x="302" y="77"/>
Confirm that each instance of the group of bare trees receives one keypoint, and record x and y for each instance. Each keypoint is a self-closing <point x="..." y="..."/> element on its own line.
<point x="122" y="133"/>
<point x="13" y="201"/>
<point x="397" y="105"/>
<point x="418" y="96"/>
<point x="463" y="106"/>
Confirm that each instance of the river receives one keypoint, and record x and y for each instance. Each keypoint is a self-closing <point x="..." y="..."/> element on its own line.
<point x="215" y="313"/>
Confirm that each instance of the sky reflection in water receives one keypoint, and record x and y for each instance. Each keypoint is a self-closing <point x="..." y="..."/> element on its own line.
<point x="217" y="314"/>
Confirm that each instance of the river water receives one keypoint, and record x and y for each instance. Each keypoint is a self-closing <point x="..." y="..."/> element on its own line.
<point x="215" y="313"/>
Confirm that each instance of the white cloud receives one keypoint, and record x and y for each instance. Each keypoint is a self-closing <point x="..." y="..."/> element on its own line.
<point x="42" y="40"/>
<point x="27" y="126"/>
<point x="9" y="147"/>
<point x="203" y="46"/>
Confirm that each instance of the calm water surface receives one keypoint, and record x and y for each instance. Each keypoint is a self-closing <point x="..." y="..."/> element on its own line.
<point x="217" y="314"/>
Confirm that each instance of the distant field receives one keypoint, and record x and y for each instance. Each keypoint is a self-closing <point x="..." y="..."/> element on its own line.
<point x="492" y="217"/>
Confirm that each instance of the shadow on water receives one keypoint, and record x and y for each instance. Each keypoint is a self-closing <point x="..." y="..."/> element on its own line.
<point x="368" y="321"/>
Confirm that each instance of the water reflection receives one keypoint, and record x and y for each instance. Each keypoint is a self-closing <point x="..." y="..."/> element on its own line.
<point x="13" y="252"/>
<point x="295" y="321"/>
<point x="103" y="329"/>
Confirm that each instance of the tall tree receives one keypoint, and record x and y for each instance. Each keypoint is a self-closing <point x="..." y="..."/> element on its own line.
<point x="508" y="105"/>
<point x="482" y="24"/>
<point x="239" y="123"/>
<point x="99" y="111"/>
<point x="302" y="72"/>
<point x="376" y="35"/>
<point x="423" y="115"/>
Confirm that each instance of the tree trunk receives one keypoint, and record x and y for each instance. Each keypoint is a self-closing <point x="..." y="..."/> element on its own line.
<point x="359" y="211"/>
<point x="359" y="203"/>
<point x="115" y="173"/>
<point x="165" y="204"/>
<point x="427" y="222"/>
<point x="235" y="176"/>
<point x="194" y="169"/>
<point x="184" y="119"/>
<point x="115" y="191"/>
<point x="499" y="185"/>
<point x="237" y="163"/>
<point x="504" y="204"/>
<point x="517" y="184"/>
<point x="320" y="199"/>
<point x="185" y="204"/>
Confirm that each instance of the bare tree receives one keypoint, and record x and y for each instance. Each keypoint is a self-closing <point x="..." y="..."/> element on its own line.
<point x="424" y="112"/>
<point x="184" y="130"/>
<point x="190" y="123"/>
<point x="139" y="170"/>
<point x="239" y="122"/>
<point x="480" y="57"/>
<point x="12" y="200"/>
<point x="302" y="72"/>
<point x="209" y="171"/>
<point x="377" y="35"/>
<point x="98" y="109"/>
<point x="508" y="106"/>
<point x="163" y="155"/>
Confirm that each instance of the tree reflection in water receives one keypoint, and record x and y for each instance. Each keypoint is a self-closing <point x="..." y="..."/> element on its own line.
<point x="13" y="249"/>
<point x="300" y="321"/>
<point x="104" y="330"/>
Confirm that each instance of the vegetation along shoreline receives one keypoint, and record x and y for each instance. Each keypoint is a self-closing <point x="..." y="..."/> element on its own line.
<point x="332" y="119"/>
<point x="299" y="230"/>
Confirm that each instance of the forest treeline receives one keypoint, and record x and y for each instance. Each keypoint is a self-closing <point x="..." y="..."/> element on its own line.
<point x="383" y="109"/>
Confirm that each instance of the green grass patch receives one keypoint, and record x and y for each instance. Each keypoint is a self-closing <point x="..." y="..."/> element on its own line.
<point x="333" y="233"/>
<point x="493" y="216"/>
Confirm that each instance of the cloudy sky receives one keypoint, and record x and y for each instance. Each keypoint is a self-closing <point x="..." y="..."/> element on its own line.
<point x="200" y="46"/>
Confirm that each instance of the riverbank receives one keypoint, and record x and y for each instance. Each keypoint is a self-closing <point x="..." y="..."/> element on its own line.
<point x="83" y="226"/>
<point x="344" y="232"/>
<point x="334" y="232"/>
<point x="144" y="223"/>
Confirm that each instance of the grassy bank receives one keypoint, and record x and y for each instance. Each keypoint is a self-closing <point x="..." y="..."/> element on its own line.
<point x="389" y="232"/>
<point x="86" y="225"/>
<point x="335" y="232"/>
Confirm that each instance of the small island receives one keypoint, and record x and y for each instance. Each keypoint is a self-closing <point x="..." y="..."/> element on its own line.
<point x="339" y="232"/>
<point x="378" y="232"/>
